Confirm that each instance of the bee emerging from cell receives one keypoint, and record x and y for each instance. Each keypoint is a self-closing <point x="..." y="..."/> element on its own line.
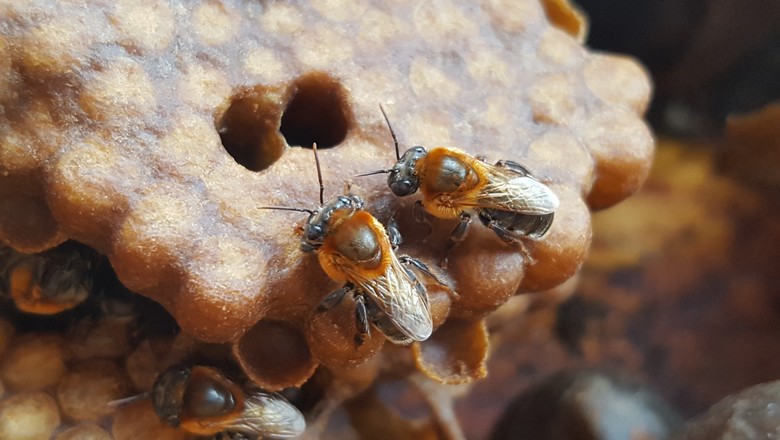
<point x="49" y="282"/>
<point x="354" y="248"/>
<point x="454" y="184"/>
<point x="202" y="401"/>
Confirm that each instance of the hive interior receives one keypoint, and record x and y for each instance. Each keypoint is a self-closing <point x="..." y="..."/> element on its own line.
<point x="152" y="131"/>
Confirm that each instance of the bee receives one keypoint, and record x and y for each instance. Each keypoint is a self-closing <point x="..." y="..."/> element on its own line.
<point x="202" y="401"/>
<point x="355" y="249"/>
<point x="505" y="196"/>
<point x="49" y="282"/>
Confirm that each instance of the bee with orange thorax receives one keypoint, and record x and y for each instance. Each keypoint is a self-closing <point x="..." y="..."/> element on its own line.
<point x="203" y="401"/>
<point x="49" y="282"/>
<point x="354" y="248"/>
<point x="505" y="196"/>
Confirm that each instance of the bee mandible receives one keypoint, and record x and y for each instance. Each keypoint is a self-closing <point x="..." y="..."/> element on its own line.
<point x="505" y="196"/>
<point x="354" y="248"/>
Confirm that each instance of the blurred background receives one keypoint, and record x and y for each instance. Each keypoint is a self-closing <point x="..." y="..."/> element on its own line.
<point x="681" y="291"/>
<point x="708" y="59"/>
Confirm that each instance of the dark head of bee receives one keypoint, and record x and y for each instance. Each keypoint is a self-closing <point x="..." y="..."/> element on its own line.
<point x="403" y="179"/>
<point x="70" y="279"/>
<point x="184" y="392"/>
<point x="168" y="393"/>
<point x="318" y="225"/>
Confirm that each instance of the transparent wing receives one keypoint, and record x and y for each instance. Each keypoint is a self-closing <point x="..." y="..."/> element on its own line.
<point x="507" y="190"/>
<point x="269" y="416"/>
<point x="401" y="298"/>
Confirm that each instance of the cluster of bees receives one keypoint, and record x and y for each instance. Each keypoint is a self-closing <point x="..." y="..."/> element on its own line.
<point x="354" y="249"/>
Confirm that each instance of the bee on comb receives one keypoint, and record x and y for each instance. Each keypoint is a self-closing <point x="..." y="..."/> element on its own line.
<point x="454" y="184"/>
<point x="355" y="249"/>
<point x="203" y="401"/>
<point x="49" y="282"/>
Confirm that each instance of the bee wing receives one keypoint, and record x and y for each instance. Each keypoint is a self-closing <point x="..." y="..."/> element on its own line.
<point x="269" y="416"/>
<point x="403" y="300"/>
<point x="507" y="190"/>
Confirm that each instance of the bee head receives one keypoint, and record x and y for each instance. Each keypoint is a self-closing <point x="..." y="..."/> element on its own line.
<point x="168" y="392"/>
<point x="66" y="278"/>
<point x="184" y="391"/>
<point x="403" y="179"/>
<point x="318" y="225"/>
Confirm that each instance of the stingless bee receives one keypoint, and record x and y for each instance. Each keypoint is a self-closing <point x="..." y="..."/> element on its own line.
<point x="49" y="282"/>
<point x="355" y="249"/>
<point x="505" y="196"/>
<point x="202" y="401"/>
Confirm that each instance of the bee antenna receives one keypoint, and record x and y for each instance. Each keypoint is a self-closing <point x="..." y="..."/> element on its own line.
<point x="373" y="172"/>
<point x="287" y="208"/>
<point x="392" y="133"/>
<point x="319" y="173"/>
<point x="118" y="403"/>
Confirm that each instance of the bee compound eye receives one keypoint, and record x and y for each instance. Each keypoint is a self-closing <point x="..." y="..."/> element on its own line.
<point x="313" y="232"/>
<point x="402" y="187"/>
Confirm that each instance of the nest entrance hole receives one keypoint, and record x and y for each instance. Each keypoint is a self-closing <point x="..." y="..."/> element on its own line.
<point x="317" y="112"/>
<point x="249" y="129"/>
<point x="255" y="129"/>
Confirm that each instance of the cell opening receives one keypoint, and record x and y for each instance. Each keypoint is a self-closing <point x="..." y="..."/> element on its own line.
<point x="275" y="355"/>
<point x="317" y="112"/>
<point x="249" y="129"/>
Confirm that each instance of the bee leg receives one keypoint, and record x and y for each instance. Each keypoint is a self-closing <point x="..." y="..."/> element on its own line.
<point x="419" y="265"/>
<point x="393" y="233"/>
<point x="514" y="166"/>
<point x="503" y="233"/>
<point x="417" y="284"/>
<point x="420" y="216"/>
<point x="509" y="238"/>
<point x="361" y="320"/>
<point x="457" y="235"/>
<point x="418" y="212"/>
<point x="334" y="298"/>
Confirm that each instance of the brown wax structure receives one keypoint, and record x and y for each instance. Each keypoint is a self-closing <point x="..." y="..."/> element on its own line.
<point x="154" y="130"/>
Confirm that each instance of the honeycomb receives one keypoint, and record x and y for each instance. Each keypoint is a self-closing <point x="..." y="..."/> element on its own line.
<point x="154" y="130"/>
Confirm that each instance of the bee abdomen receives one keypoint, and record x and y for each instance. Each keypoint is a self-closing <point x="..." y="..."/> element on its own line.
<point x="533" y="226"/>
